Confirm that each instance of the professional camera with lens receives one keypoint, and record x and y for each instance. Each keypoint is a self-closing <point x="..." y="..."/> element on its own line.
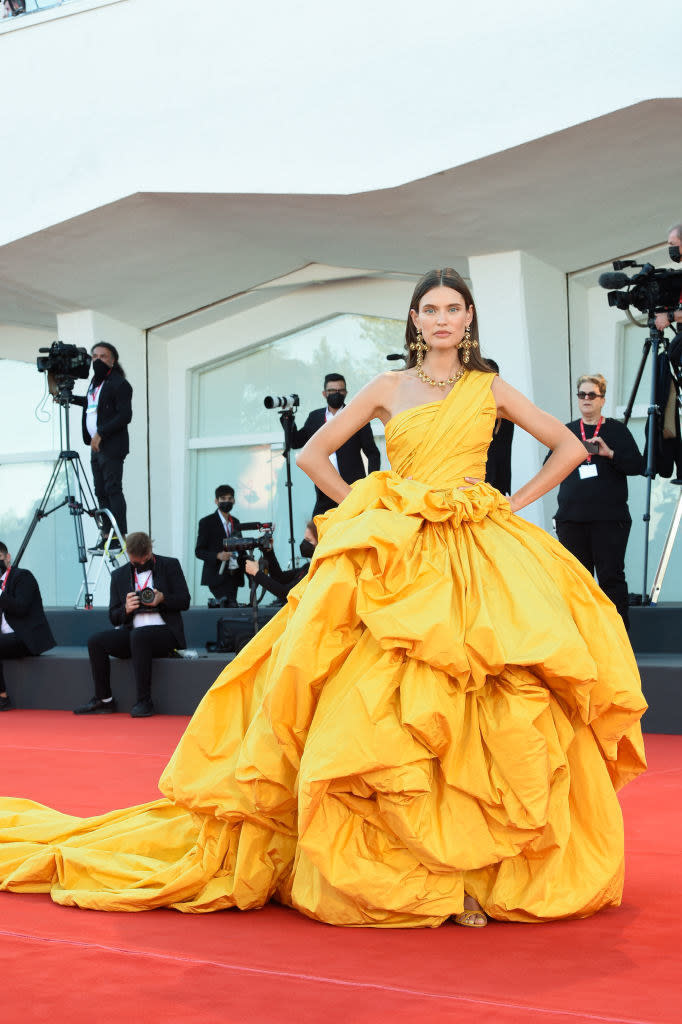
<point x="64" y="360"/>
<point x="285" y="403"/>
<point x="263" y="542"/>
<point x="652" y="290"/>
<point x="146" y="596"/>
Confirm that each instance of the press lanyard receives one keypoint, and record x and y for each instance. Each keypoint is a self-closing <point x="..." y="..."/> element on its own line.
<point x="94" y="393"/>
<point x="596" y="432"/>
<point x="138" y="588"/>
<point x="4" y="582"/>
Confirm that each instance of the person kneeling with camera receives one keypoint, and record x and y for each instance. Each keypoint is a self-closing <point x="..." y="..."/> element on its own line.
<point x="280" y="581"/>
<point x="147" y="597"/>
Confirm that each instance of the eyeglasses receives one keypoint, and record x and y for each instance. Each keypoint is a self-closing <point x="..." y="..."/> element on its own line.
<point x="590" y="395"/>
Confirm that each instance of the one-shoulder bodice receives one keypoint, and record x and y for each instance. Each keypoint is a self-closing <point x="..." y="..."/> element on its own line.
<point x="440" y="443"/>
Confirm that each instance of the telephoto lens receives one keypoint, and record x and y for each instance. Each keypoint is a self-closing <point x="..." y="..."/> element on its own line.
<point x="285" y="403"/>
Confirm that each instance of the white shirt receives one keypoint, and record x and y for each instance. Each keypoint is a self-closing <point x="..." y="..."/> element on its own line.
<point x="5" y="626"/>
<point x="91" y="409"/>
<point x="232" y="562"/>
<point x="146" y="618"/>
<point x="332" y="458"/>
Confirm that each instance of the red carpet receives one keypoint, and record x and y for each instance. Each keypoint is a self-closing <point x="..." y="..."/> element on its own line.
<point x="276" y="967"/>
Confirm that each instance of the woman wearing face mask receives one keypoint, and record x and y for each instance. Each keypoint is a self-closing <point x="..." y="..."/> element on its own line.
<point x="280" y="581"/>
<point x="223" y="571"/>
<point x="593" y="520"/>
<point x="107" y="411"/>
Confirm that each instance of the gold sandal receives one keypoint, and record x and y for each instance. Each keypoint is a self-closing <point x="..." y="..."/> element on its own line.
<point x="468" y="919"/>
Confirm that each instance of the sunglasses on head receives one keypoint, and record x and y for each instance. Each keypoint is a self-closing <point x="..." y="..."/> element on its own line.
<point x="588" y="394"/>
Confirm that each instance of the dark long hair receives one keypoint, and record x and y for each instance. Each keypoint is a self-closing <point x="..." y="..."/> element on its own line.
<point x="450" y="279"/>
<point x="116" y="368"/>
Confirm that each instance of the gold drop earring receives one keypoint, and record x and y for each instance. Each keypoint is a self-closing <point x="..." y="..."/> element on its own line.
<point x="466" y="345"/>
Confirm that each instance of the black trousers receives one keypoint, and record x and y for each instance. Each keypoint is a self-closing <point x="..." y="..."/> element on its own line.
<point x="10" y="647"/>
<point x="600" y="546"/>
<point x="142" y="645"/>
<point x="107" y="475"/>
<point x="227" y="588"/>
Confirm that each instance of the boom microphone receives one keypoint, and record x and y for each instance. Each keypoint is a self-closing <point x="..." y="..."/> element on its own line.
<point x="614" y="280"/>
<point x="396" y="355"/>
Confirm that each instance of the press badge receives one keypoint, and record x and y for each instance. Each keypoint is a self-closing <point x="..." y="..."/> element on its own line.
<point x="587" y="470"/>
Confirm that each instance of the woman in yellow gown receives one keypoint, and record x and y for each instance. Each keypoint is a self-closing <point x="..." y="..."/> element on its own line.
<point x="438" y="719"/>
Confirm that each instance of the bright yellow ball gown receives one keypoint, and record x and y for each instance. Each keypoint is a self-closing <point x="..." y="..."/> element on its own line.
<point x="447" y="703"/>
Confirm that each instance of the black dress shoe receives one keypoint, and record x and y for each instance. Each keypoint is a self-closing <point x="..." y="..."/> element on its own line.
<point x="143" y="709"/>
<point x="95" y="706"/>
<point x="99" y="546"/>
<point x="114" y="544"/>
<point x="5" y="704"/>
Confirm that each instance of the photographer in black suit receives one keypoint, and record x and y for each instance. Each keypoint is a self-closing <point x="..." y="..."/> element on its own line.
<point x="24" y="630"/>
<point x="147" y="597"/>
<point x="348" y="459"/>
<point x="107" y="411"/>
<point x="273" y="577"/>
<point x="223" y="571"/>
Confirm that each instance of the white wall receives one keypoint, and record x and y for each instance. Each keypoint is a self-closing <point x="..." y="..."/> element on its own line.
<point x="522" y="310"/>
<point x="145" y="95"/>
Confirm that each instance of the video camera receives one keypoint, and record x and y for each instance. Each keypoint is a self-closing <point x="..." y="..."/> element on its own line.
<point x="64" y="360"/>
<point x="652" y="290"/>
<point x="263" y="542"/>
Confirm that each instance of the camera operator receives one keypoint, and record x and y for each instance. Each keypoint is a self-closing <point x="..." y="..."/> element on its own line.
<point x="223" y="571"/>
<point x="107" y="411"/>
<point x="24" y="630"/>
<point x="348" y="459"/>
<point x="593" y="520"/>
<point x="146" y="599"/>
<point x="280" y="581"/>
<point x="674" y="317"/>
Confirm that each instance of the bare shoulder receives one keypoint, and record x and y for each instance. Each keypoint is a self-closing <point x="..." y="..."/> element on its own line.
<point x="506" y="397"/>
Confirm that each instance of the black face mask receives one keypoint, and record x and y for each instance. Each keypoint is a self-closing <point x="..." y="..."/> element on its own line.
<point x="99" y="369"/>
<point x="145" y="566"/>
<point x="335" y="399"/>
<point x="307" y="549"/>
<point x="674" y="253"/>
<point x="3" y="566"/>
<point x="226" y="505"/>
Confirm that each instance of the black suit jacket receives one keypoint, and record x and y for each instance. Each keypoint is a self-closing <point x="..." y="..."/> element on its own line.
<point x="210" y="537"/>
<point x="114" y="413"/>
<point x="498" y="466"/>
<point x="23" y="607"/>
<point x="349" y="458"/>
<point x="169" y="578"/>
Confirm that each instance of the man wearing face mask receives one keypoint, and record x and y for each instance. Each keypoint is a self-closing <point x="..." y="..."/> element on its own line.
<point x="348" y="459"/>
<point x="24" y="630"/>
<point x="146" y="600"/>
<point x="223" y="571"/>
<point x="280" y="581"/>
<point x="107" y="411"/>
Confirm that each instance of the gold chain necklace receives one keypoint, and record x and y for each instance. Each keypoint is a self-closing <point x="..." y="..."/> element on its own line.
<point x="436" y="383"/>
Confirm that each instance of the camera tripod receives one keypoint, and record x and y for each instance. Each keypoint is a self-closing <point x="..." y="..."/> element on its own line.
<point x="658" y="345"/>
<point x="287" y="421"/>
<point x="79" y="499"/>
